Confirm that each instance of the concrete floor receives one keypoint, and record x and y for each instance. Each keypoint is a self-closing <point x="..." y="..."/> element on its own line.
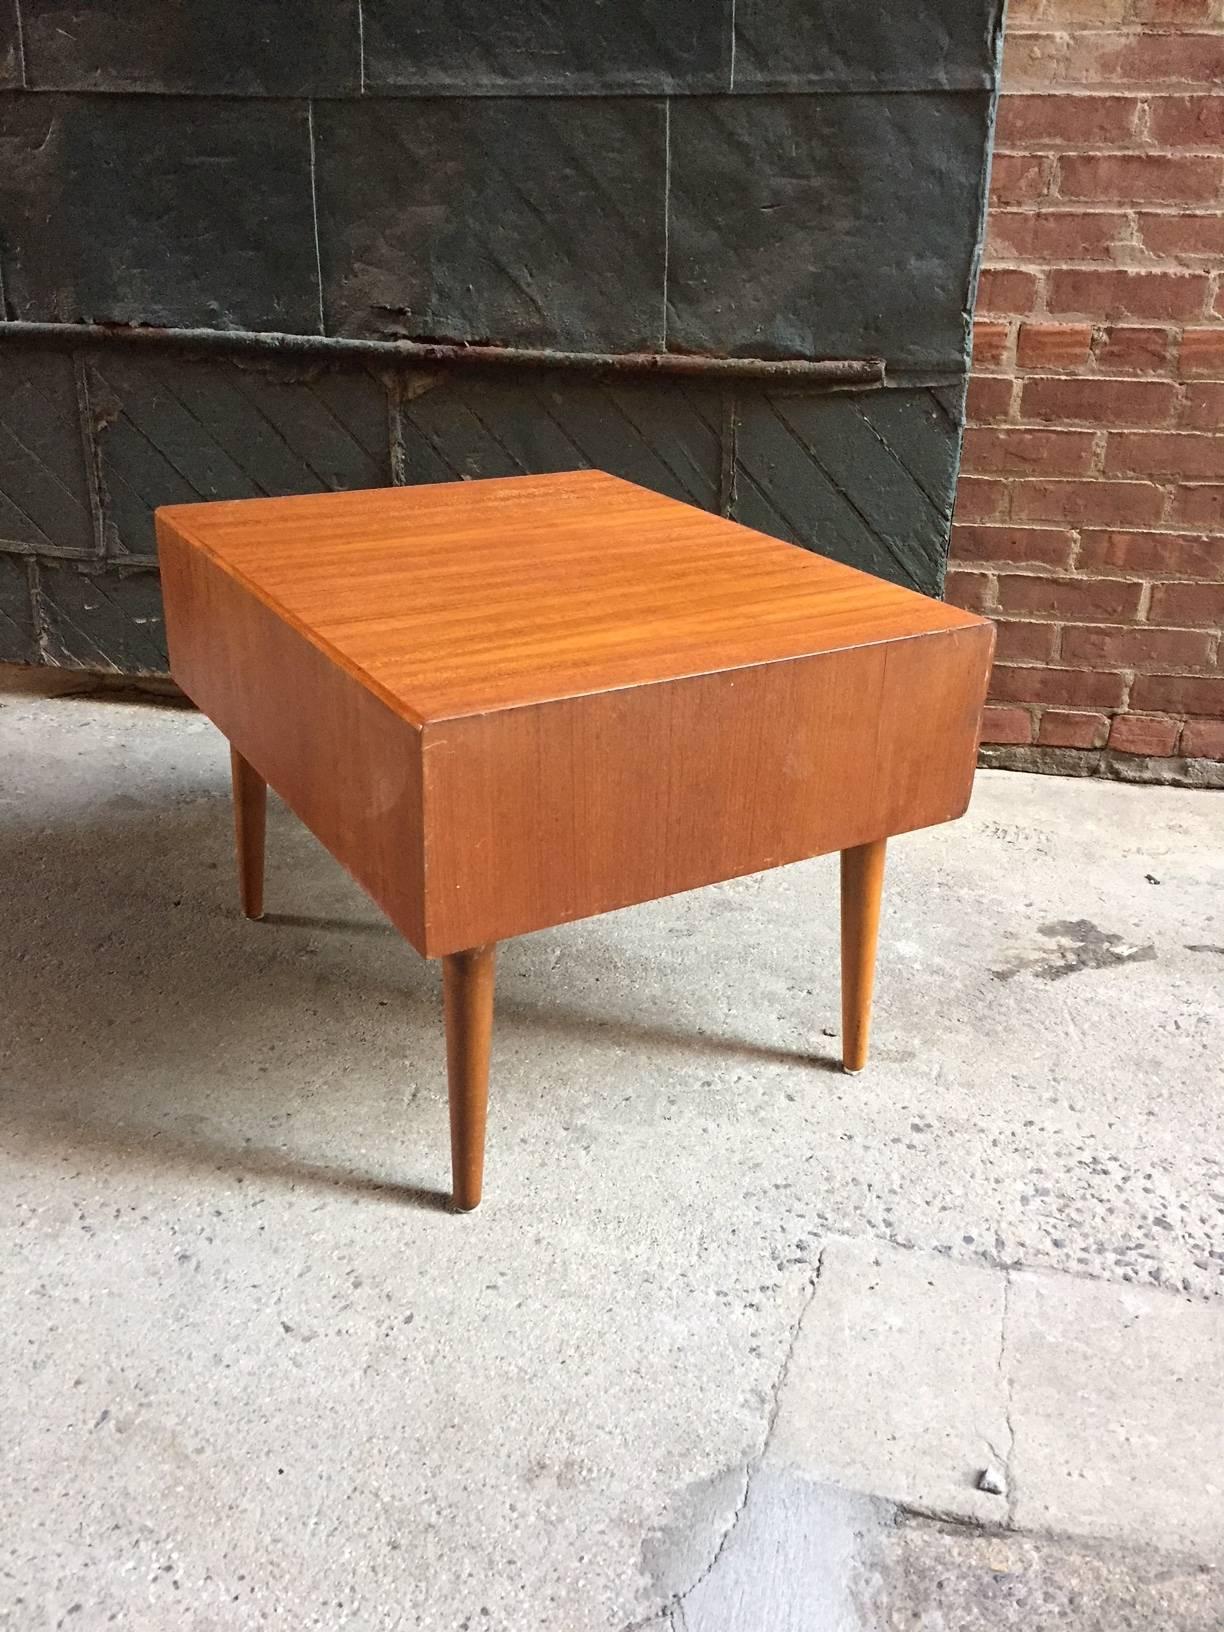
<point x="733" y="1337"/>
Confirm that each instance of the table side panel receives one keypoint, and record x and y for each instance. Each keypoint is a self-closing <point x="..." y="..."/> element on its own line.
<point x="340" y="758"/>
<point x="540" y="815"/>
<point x="930" y="725"/>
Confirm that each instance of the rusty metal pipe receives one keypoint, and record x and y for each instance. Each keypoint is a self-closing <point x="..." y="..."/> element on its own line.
<point x="830" y="371"/>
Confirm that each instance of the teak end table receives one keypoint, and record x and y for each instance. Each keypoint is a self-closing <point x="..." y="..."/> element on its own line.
<point x="509" y="704"/>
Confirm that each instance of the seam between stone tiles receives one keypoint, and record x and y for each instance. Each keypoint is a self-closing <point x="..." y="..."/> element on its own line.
<point x="361" y="81"/>
<point x="731" y="74"/>
<point x="666" y="208"/>
<point x="314" y="212"/>
<point x="21" y="56"/>
<point x="38" y="608"/>
<point x="392" y="385"/>
<point x="89" y="426"/>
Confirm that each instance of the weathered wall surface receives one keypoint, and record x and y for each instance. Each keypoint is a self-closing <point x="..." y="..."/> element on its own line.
<point x="746" y="179"/>
<point x="1091" y="514"/>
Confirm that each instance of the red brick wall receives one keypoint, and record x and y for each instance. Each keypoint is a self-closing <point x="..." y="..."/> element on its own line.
<point x="1090" y="515"/>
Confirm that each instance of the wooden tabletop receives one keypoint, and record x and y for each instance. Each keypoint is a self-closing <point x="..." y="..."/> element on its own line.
<point x="468" y="597"/>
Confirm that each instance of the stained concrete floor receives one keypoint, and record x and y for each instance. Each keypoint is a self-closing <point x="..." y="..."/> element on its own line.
<point x="733" y="1337"/>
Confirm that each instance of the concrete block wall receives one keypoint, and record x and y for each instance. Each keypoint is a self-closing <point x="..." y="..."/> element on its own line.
<point x="1090" y="517"/>
<point x="773" y="178"/>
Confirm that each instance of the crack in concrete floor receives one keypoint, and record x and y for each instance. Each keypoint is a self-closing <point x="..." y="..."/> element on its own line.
<point x="674" y="1606"/>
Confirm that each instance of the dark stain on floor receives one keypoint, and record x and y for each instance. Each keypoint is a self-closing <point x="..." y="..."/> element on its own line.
<point x="1079" y="944"/>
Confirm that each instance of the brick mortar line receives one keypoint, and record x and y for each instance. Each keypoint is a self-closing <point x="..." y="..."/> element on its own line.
<point x="1141" y="141"/>
<point x="1204" y="268"/>
<point x="1046" y="199"/>
<point x="1136" y="91"/>
<point x="1123" y="707"/>
<point x="1024" y="376"/>
<point x="1163" y="483"/>
<point x="1118" y="39"/>
<point x="1052" y="148"/>
<point x="1054" y="209"/>
<point x="1209" y="535"/>
<point x="1027" y="569"/>
<point x="1050" y="369"/>
<point x="1025" y="373"/>
<point x="1171" y="150"/>
<point x="1069" y="428"/>
<point x="1117" y="90"/>
<point x="1123" y="253"/>
<point x="1021" y="84"/>
<point x="988" y="473"/>
<point x="1205" y="318"/>
<point x="1131" y="91"/>
<point x="1016" y="263"/>
<point x="1133" y="144"/>
<point x="1020" y="30"/>
<point x="1082" y="318"/>
<point x="1107" y="212"/>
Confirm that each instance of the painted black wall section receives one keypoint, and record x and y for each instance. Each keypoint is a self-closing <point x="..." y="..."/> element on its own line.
<point x="755" y="178"/>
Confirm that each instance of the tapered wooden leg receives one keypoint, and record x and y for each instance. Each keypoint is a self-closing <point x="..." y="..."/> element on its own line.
<point x="250" y="821"/>
<point x="467" y="990"/>
<point x="862" y="883"/>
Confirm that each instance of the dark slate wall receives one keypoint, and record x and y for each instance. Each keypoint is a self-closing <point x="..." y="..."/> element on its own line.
<point x="763" y="178"/>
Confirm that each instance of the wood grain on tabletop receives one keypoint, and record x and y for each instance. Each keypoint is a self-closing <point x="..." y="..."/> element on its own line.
<point x="466" y="596"/>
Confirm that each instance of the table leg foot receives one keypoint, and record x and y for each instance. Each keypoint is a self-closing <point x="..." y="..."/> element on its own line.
<point x="250" y="821"/>
<point x="467" y="990"/>
<point x="862" y="883"/>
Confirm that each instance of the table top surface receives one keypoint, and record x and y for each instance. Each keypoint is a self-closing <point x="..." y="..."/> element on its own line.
<point x="466" y="597"/>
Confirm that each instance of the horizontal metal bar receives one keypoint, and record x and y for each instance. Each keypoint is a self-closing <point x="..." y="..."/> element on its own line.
<point x="831" y="371"/>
